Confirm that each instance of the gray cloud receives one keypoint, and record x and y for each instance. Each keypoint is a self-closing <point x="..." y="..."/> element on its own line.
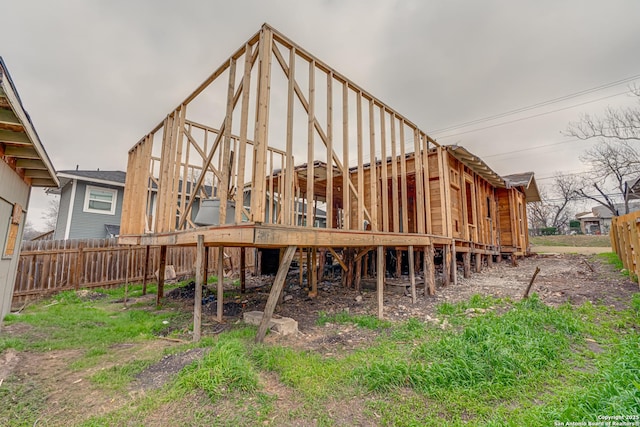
<point x="96" y="76"/>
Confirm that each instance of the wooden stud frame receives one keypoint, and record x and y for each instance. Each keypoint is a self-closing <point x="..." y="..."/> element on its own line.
<point x="252" y="134"/>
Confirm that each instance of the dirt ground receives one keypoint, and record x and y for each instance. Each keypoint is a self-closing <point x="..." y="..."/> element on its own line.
<point x="588" y="250"/>
<point x="562" y="278"/>
<point x="71" y="397"/>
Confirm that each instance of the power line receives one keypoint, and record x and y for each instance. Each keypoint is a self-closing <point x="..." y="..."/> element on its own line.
<point x="537" y="105"/>
<point x="533" y="148"/>
<point x="562" y="175"/>
<point x="533" y="116"/>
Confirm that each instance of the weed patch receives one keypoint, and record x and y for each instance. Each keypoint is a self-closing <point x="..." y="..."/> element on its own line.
<point x="309" y="373"/>
<point x="69" y="322"/>
<point x="119" y="377"/>
<point x="225" y="368"/>
<point x="490" y="355"/>
<point x="21" y="402"/>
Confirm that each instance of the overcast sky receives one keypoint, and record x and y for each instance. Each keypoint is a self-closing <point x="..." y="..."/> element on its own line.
<point x="95" y="76"/>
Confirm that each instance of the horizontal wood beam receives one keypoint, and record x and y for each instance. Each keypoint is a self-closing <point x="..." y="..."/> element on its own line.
<point x="42" y="182"/>
<point x="37" y="173"/>
<point x="14" y="137"/>
<point x="30" y="164"/>
<point x="8" y="116"/>
<point x="272" y="236"/>
<point x="21" y="152"/>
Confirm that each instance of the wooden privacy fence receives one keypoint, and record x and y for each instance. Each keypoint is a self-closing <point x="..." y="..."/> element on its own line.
<point x="625" y="240"/>
<point x="51" y="266"/>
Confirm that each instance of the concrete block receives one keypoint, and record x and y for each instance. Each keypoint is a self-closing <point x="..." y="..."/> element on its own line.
<point x="281" y="325"/>
<point x="169" y="273"/>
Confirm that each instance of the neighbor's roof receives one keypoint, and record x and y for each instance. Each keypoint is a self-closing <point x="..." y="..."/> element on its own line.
<point x="19" y="140"/>
<point x="115" y="178"/>
<point x="632" y="189"/>
<point x="526" y="180"/>
<point x="604" y="212"/>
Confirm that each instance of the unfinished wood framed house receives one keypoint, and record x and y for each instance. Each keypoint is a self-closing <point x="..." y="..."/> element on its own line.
<point x="276" y="149"/>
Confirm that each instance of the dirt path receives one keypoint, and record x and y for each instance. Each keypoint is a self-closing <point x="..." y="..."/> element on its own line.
<point x="584" y="250"/>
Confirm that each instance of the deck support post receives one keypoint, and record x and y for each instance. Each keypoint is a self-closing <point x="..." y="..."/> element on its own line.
<point x="197" y="299"/>
<point x="145" y="270"/>
<point x="429" y="271"/>
<point x="314" y="273"/>
<point x="207" y="253"/>
<point x="220" y="285"/>
<point x="454" y="265"/>
<point x="358" y="275"/>
<point x="276" y="288"/>
<point x="446" y="265"/>
<point x="380" y="281"/>
<point x="466" y="262"/>
<point x="478" y="262"/>
<point x="412" y="275"/>
<point x="243" y="274"/>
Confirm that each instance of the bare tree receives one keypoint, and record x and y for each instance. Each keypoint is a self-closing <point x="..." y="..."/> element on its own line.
<point x="564" y="189"/>
<point x="553" y="209"/>
<point x="29" y="232"/>
<point x="50" y="215"/>
<point x="617" y="124"/>
<point x="612" y="164"/>
<point x="539" y="212"/>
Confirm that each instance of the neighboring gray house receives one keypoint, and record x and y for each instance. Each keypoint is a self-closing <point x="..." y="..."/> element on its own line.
<point x="24" y="164"/>
<point x="598" y="221"/>
<point x="90" y="204"/>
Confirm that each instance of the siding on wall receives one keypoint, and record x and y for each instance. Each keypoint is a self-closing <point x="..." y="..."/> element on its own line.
<point x="13" y="190"/>
<point x="89" y="225"/>
<point x="505" y="219"/>
<point x="63" y="212"/>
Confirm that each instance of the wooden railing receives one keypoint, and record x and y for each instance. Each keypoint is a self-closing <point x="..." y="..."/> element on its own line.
<point x="47" y="267"/>
<point x="625" y="241"/>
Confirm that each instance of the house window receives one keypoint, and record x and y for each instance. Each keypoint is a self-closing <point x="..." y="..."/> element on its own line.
<point x="100" y="200"/>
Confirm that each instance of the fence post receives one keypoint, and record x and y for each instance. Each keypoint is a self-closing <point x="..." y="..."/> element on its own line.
<point x="161" y="269"/>
<point x="79" y="276"/>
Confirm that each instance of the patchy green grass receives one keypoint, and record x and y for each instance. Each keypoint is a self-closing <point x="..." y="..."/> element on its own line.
<point x="119" y="377"/>
<point x="66" y="322"/>
<point x="613" y="259"/>
<point x="225" y="368"/>
<point x="580" y="240"/>
<point x="488" y="357"/>
<point x="20" y="402"/>
<point x="484" y="361"/>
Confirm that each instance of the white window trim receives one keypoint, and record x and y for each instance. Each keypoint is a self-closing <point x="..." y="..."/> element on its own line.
<point x="97" y="211"/>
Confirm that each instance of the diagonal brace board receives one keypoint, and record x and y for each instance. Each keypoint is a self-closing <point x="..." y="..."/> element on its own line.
<point x="274" y="295"/>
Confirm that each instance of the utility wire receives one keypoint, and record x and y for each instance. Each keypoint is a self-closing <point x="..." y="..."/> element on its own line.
<point x="533" y="116"/>
<point x="537" y="105"/>
<point x="533" y="148"/>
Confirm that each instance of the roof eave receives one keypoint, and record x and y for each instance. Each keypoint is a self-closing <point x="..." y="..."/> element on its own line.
<point x="8" y="91"/>
<point x="89" y="179"/>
